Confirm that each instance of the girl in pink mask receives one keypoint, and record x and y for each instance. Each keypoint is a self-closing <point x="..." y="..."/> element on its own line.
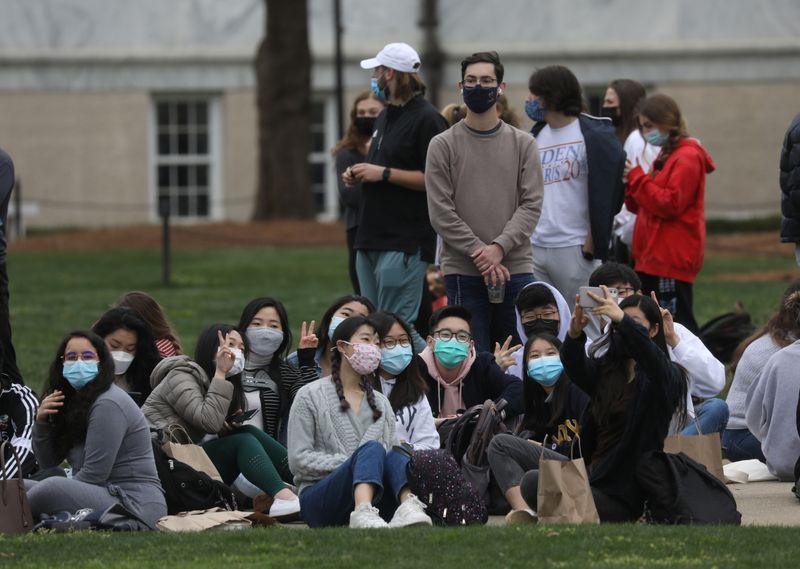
<point x="340" y="435"/>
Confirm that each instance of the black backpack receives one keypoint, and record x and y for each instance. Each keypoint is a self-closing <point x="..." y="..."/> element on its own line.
<point x="679" y="490"/>
<point x="188" y="489"/>
<point x="723" y="334"/>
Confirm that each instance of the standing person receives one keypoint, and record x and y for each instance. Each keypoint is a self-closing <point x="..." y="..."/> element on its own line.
<point x="620" y="104"/>
<point x="341" y="432"/>
<point x="485" y="234"/>
<point x="352" y="149"/>
<point x="18" y="406"/>
<point x="93" y="424"/>
<point x="167" y="341"/>
<point x="504" y="111"/>
<point x="670" y="234"/>
<point x="395" y="240"/>
<point x="8" y="357"/>
<point x="790" y="186"/>
<point x="582" y="164"/>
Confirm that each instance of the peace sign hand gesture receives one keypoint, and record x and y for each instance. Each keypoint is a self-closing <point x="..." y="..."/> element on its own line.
<point x="504" y="355"/>
<point x="225" y="357"/>
<point x="307" y="337"/>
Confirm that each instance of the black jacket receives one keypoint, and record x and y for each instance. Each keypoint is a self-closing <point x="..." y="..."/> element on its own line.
<point x="18" y="406"/>
<point x="790" y="183"/>
<point x="485" y="380"/>
<point x="657" y="391"/>
<point x="605" y="159"/>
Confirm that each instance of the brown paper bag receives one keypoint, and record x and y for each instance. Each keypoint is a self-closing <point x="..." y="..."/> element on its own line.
<point x="705" y="449"/>
<point x="15" y="512"/>
<point x="201" y="520"/>
<point x="564" y="495"/>
<point x="188" y="452"/>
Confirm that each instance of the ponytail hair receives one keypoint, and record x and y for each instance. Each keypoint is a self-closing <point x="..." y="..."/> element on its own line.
<point x="345" y="331"/>
<point x="663" y="112"/>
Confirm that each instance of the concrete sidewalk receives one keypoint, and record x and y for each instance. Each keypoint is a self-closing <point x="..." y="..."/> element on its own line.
<point x="767" y="503"/>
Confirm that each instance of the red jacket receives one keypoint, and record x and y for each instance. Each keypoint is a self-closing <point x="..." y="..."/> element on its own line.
<point x="669" y="237"/>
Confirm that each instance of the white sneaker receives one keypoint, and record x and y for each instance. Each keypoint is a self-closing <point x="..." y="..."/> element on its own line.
<point x="365" y="516"/>
<point x="282" y="508"/>
<point x="521" y="517"/>
<point x="410" y="513"/>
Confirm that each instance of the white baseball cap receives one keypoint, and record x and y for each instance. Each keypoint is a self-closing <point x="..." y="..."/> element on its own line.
<point x="397" y="56"/>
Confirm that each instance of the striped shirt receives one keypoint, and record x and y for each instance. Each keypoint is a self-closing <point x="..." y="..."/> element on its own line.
<point x="18" y="406"/>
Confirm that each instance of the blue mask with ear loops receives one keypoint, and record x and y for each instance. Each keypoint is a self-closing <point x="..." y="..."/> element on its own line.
<point x="534" y="110"/>
<point x="545" y="370"/>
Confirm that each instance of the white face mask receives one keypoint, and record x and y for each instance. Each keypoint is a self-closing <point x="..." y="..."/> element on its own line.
<point x="122" y="361"/>
<point x="238" y="362"/>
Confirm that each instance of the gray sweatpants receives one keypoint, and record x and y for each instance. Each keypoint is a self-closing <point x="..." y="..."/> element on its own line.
<point x="58" y="494"/>
<point x="511" y="457"/>
<point x="564" y="268"/>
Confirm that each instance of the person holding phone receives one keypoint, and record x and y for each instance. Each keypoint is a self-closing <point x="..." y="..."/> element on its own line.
<point x="201" y="395"/>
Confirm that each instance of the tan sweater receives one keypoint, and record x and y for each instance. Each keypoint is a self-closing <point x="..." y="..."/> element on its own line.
<point x="482" y="189"/>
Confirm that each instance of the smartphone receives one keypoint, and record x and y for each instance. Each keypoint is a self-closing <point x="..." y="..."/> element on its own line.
<point x="242" y="417"/>
<point x="587" y="301"/>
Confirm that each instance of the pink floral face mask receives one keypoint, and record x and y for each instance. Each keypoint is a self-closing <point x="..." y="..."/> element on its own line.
<point x="365" y="358"/>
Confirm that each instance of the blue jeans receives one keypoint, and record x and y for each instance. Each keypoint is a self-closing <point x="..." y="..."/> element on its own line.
<point x="330" y="501"/>
<point x="489" y="320"/>
<point x="741" y="444"/>
<point x="712" y="415"/>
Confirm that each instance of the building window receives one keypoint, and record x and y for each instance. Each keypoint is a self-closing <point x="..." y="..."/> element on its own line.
<point x="318" y="157"/>
<point x="185" y="162"/>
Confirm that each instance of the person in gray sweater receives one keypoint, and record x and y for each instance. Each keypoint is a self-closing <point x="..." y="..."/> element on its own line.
<point x="100" y="431"/>
<point x="341" y="433"/>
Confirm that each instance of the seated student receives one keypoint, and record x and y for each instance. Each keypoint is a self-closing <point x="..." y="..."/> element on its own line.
<point x="751" y="356"/>
<point x="94" y="425"/>
<point x="398" y="378"/>
<point x="201" y="395"/>
<point x="130" y="342"/>
<point x="634" y="389"/>
<point x="344" y="307"/>
<point x="167" y="342"/>
<point x="554" y="408"/>
<point x="773" y="402"/>
<point x="540" y="309"/>
<point x="270" y="383"/>
<point x="704" y="372"/>
<point x="17" y="414"/>
<point x="340" y="435"/>
<point x="458" y="376"/>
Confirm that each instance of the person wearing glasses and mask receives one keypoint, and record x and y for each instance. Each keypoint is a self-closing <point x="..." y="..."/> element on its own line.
<point x="458" y="375"/>
<point x="485" y="193"/>
<point x="88" y="421"/>
<point x="705" y="374"/>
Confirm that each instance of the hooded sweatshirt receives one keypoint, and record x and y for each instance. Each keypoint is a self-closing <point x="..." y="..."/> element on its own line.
<point x="564" y="316"/>
<point x="670" y="234"/>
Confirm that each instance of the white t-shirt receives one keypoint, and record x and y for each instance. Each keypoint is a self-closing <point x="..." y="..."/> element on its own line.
<point x="564" y="221"/>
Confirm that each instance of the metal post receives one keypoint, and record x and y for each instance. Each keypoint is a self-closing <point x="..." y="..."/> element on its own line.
<point x="166" y="262"/>
<point x="338" y="65"/>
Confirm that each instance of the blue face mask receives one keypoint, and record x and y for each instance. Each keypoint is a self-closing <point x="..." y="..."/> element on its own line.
<point x="395" y="360"/>
<point x="79" y="373"/>
<point x="545" y="370"/>
<point x="534" y="110"/>
<point x="479" y="99"/>
<point x="656" y="137"/>
<point x="335" y="321"/>
<point x="377" y="90"/>
<point x="450" y="353"/>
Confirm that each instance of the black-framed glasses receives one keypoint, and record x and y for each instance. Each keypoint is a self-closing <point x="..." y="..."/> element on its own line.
<point x="445" y="334"/>
<point x="549" y="315"/>
<point x="470" y="82"/>
<point x="83" y="356"/>
<point x="391" y="342"/>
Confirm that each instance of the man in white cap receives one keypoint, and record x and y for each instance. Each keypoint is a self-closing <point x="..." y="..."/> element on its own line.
<point x="395" y="240"/>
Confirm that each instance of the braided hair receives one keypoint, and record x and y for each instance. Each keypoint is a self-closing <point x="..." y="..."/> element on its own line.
<point x="663" y="111"/>
<point x="345" y="331"/>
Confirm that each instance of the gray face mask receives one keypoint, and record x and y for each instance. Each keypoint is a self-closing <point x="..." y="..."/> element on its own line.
<point x="264" y="341"/>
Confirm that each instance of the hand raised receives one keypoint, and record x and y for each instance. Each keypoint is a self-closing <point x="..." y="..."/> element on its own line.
<point x="225" y="356"/>
<point x="50" y="405"/>
<point x="579" y="319"/>
<point x="308" y="339"/>
<point x="504" y="355"/>
<point x="607" y="305"/>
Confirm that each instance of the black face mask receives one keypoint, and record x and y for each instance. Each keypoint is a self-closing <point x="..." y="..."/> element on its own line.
<point x="611" y="113"/>
<point x="364" y="125"/>
<point x="540" y="326"/>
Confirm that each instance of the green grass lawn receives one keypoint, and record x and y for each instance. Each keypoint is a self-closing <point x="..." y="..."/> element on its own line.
<point x="611" y="547"/>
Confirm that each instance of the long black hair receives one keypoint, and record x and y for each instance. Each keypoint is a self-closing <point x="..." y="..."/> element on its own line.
<point x="345" y="331"/>
<point x="205" y="354"/>
<point x="325" y="323"/>
<point x="72" y="420"/>
<point x="249" y="312"/>
<point x="409" y="386"/>
<point x="613" y="364"/>
<point x="146" y="356"/>
<point x="540" y="417"/>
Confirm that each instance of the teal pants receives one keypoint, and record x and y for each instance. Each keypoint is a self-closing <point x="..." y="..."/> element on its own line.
<point x="253" y="453"/>
<point x="392" y="280"/>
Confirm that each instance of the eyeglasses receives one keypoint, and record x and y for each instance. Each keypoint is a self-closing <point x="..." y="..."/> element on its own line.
<point x="549" y="315"/>
<point x="445" y="334"/>
<point x="83" y="356"/>
<point x="470" y="82"/>
<point x="391" y="342"/>
<point x="622" y="292"/>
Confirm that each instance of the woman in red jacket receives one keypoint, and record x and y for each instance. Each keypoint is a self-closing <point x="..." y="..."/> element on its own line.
<point x="670" y="232"/>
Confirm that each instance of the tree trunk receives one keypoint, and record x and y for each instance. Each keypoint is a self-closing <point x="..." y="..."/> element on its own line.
<point x="283" y="78"/>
